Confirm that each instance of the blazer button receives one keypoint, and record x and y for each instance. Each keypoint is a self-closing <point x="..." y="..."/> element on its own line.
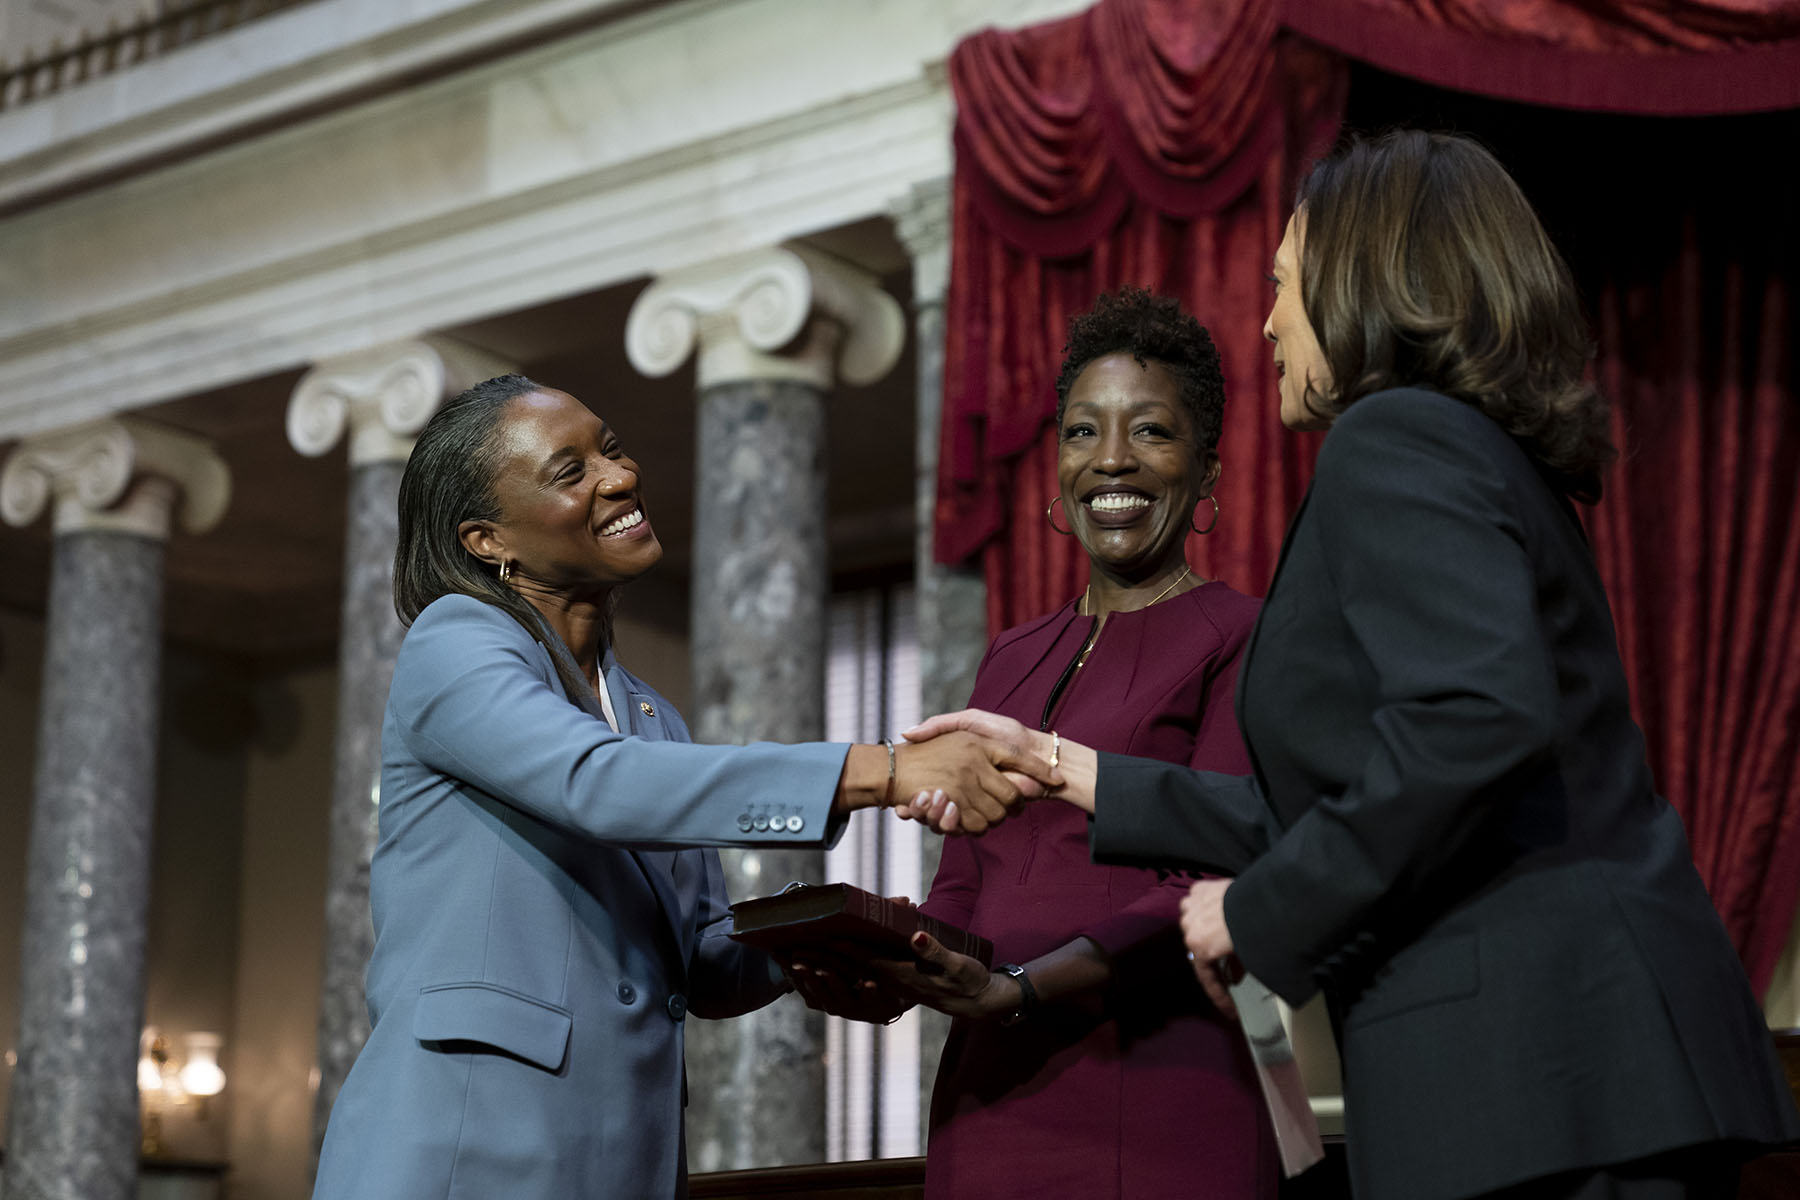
<point x="796" y="823"/>
<point x="627" y="993"/>
<point x="745" y="824"/>
<point x="645" y="707"/>
<point x="677" y="1007"/>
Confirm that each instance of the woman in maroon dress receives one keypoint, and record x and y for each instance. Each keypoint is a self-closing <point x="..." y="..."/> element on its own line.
<point x="1089" y="1063"/>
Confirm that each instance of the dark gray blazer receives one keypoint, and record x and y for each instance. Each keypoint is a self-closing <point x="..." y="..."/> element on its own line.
<point x="543" y="927"/>
<point x="1453" y="831"/>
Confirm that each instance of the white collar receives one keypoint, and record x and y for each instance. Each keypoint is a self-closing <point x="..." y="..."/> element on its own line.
<point x="606" y="704"/>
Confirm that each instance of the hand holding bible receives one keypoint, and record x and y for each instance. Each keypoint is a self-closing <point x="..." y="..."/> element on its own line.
<point x="956" y="984"/>
<point x="841" y="986"/>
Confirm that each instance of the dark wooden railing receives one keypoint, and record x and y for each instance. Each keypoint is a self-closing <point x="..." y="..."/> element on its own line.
<point x="904" y="1179"/>
<point x="151" y="35"/>
<point x="880" y="1179"/>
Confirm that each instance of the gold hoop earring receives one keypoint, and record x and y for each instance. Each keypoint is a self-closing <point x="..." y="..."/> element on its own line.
<point x="1050" y="516"/>
<point x="1214" y="524"/>
<point x="505" y="570"/>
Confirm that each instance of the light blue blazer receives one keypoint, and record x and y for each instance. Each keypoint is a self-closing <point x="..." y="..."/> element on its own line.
<point x="543" y="925"/>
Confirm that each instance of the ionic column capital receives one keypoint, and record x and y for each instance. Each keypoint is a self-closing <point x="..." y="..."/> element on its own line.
<point x="121" y="475"/>
<point x="382" y="395"/>
<point x="759" y="315"/>
<point x="922" y="220"/>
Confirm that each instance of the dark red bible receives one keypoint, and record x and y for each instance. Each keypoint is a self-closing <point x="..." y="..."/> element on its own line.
<point x="844" y="920"/>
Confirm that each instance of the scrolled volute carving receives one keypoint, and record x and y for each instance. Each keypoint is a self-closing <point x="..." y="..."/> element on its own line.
<point x="767" y="293"/>
<point x="92" y="463"/>
<point x="88" y="471"/>
<point x="747" y="313"/>
<point x="660" y="332"/>
<point x="411" y="390"/>
<point x="317" y="413"/>
<point x="383" y="395"/>
<point x="774" y="300"/>
<point x="874" y="324"/>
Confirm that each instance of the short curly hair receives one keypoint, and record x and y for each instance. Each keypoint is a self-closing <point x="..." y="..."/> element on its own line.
<point x="1151" y="329"/>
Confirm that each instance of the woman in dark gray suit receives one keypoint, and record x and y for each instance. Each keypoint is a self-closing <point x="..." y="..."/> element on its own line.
<point x="545" y="916"/>
<point x="1452" y="829"/>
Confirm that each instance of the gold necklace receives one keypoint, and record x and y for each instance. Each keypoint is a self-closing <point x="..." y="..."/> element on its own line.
<point x="1086" y="596"/>
<point x="1087" y="602"/>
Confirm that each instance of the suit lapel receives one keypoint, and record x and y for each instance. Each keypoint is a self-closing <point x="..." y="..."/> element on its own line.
<point x="658" y="866"/>
<point x="1241" y="701"/>
<point x="1287" y="543"/>
<point x="655" y="866"/>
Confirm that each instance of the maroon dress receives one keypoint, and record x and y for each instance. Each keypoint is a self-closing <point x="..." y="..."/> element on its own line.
<point x="1143" y="1091"/>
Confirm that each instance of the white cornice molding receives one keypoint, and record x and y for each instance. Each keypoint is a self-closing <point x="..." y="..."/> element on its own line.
<point x="119" y="475"/>
<point x="383" y="395"/>
<point x="677" y="134"/>
<point x="291" y="65"/>
<point x="277" y="68"/>
<point x="746" y="313"/>
<point x="690" y="205"/>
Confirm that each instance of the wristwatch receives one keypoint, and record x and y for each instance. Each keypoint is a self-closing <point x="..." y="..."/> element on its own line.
<point x="1027" y="993"/>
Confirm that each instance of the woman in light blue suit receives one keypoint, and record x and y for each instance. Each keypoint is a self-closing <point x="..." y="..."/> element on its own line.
<point x="544" y="918"/>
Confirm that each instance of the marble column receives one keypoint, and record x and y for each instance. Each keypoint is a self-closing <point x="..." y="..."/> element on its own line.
<point x="775" y="329"/>
<point x="114" y="487"/>
<point x="952" y="600"/>
<point x="381" y="397"/>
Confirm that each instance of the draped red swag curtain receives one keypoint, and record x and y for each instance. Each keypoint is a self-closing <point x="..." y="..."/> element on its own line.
<point x="1158" y="142"/>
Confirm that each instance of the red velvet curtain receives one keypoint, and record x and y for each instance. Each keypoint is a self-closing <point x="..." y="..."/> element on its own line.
<point x="1157" y="142"/>
<point x="1699" y="543"/>
<point x="1697" y="57"/>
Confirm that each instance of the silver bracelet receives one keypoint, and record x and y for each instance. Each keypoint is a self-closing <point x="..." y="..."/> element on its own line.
<point x="888" y="800"/>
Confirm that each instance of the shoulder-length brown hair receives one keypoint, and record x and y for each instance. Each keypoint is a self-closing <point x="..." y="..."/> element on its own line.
<point x="1423" y="265"/>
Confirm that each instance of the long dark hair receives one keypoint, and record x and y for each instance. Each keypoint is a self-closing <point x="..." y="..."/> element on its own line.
<point x="1423" y="264"/>
<point x="449" y="479"/>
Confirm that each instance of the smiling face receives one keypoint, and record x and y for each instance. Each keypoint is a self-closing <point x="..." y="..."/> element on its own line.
<point x="571" y="516"/>
<point x="1128" y="466"/>
<point x="1299" y="361"/>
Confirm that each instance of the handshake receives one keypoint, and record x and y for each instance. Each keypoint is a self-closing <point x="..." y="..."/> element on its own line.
<point x="964" y="772"/>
